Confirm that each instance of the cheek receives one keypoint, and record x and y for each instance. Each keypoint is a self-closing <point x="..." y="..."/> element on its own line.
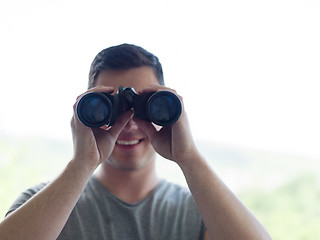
<point x="151" y="152"/>
<point x="148" y="149"/>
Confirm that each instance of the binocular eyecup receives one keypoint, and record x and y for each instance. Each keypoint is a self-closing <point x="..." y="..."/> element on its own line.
<point x="97" y="109"/>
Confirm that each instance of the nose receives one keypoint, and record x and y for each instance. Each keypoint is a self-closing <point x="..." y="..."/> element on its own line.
<point x="130" y="126"/>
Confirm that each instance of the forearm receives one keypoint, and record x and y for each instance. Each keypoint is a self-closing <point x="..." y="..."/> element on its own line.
<point x="223" y="213"/>
<point x="45" y="214"/>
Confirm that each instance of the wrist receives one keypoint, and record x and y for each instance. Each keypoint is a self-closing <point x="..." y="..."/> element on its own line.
<point x="190" y="159"/>
<point x="81" y="167"/>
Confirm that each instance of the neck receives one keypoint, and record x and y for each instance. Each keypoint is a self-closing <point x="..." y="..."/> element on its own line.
<point x="128" y="185"/>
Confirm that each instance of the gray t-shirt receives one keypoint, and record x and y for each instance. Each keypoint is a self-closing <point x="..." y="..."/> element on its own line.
<point x="168" y="212"/>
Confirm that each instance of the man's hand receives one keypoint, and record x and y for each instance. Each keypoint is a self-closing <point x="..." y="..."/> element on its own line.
<point x="94" y="145"/>
<point x="173" y="142"/>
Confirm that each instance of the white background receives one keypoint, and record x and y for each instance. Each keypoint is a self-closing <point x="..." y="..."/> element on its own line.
<point x="249" y="71"/>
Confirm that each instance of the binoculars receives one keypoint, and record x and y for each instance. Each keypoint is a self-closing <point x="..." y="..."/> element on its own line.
<point x="97" y="109"/>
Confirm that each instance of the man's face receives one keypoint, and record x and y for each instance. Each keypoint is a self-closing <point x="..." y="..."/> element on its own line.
<point x="133" y="149"/>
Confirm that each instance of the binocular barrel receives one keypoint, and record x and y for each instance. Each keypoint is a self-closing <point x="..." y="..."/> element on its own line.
<point x="96" y="109"/>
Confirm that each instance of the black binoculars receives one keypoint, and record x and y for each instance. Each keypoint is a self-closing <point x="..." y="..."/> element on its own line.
<point x="97" y="109"/>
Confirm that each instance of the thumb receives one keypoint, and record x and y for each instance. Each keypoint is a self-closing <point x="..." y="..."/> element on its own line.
<point x="121" y="122"/>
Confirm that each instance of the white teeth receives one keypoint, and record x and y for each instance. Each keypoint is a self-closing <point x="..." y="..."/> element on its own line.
<point x="131" y="142"/>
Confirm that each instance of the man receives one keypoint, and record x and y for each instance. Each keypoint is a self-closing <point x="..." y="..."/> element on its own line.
<point x="124" y="198"/>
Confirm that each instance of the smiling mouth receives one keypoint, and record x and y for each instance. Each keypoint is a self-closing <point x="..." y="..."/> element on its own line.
<point x="128" y="142"/>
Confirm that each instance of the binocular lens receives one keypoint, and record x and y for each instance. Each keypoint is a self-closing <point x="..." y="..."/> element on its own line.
<point x="94" y="110"/>
<point x="164" y="108"/>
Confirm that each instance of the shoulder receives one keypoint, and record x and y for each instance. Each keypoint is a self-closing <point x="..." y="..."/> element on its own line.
<point x="34" y="189"/>
<point x="31" y="191"/>
<point x="25" y="196"/>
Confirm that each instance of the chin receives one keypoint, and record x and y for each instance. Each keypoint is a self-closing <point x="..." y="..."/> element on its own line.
<point x="129" y="166"/>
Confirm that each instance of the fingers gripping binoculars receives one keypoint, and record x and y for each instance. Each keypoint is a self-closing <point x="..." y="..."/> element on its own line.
<point x="97" y="109"/>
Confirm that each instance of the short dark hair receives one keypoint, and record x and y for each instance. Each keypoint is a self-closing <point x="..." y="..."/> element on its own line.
<point x="124" y="57"/>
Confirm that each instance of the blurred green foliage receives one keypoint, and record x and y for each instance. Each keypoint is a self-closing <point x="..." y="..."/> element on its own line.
<point x="282" y="191"/>
<point x="291" y="211"/>
<point x="25" y="162"/>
